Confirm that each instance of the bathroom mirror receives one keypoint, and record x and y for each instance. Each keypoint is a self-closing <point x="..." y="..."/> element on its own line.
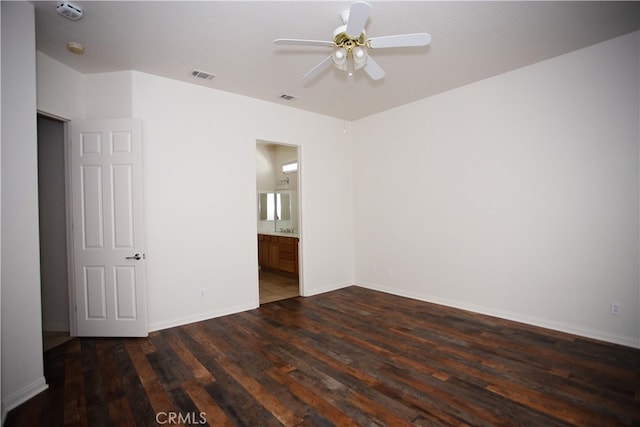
<point x="283" y="206"/>
<point x="275" y="206"/>
<point x="266" y="209"/>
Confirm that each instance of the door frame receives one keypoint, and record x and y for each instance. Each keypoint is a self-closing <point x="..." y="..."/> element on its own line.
<point x="300" y="222"/>
<point x="298" y="147"/>
<point x="68" y="203"/>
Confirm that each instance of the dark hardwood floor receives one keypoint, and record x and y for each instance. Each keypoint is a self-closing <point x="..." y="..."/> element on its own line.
<point x="349" y="357"/>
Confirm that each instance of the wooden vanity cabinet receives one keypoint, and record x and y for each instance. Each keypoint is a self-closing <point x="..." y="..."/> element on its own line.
<point x="278" y="253"/>
<point x="288" y="254"/>
<point x="267" y="252"/>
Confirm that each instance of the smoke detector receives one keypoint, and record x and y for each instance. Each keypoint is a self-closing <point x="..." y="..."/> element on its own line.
<point x="69" y="10"/>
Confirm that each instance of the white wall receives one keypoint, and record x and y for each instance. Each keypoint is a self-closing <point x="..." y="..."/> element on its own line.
<point x="22" y="370"/>
<point x="107" y="95"/>
<point x="68" y="94"/>
<point x="200" y="197"/>
<point x="60" y="89"/>
<point x="515" y="196"/>
<point x="199" y="158"/>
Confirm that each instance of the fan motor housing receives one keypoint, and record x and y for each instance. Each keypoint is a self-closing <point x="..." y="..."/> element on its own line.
<point x="341" y="39"/>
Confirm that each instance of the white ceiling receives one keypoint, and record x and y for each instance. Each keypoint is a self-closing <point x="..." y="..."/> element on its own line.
<point x="233" y="40"/>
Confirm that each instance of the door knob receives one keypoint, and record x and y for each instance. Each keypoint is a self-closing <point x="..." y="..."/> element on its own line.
<point x="136" y="257"/>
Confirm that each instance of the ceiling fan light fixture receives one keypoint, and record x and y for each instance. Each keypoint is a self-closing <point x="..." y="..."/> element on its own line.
<point x="340" y="57"/>
<point x="350" y="68"/>
<point x="350" y="44"/>
<point x="359" y="56"/>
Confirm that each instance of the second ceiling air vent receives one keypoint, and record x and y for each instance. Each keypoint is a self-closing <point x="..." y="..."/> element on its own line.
<point x="202" y="74"/>
<point x="288" y="97"/>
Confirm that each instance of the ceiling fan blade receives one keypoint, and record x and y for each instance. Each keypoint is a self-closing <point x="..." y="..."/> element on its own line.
<point x="373" y="69"/>
<point x="400" y="40"/>
<point x="318" y="68"/>
<point x="301" y="42"/>
<point x="358" y="15"/>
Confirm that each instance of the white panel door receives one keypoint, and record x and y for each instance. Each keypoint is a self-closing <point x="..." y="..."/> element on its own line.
<point x="108" y="241"/>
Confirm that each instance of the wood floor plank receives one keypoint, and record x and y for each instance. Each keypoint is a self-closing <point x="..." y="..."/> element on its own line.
<point x="95" y="394"/>
<point x="311" y="398"/>
<point x="234" y="399"/>
<point x="206" y="405"/>
<point x="132" y="387"/>
<point x="198" y="371"/>
<point x="155" y="392"/>
<point x="343" y="358"/>
<point x="32" y="416"/>
<point x="279" y="369"/>
<point x="267" y="399"/>
<point x="325" y="384"/>
<point x="369" y="377"/>
<point x="75" y="411"/>
<point x="511" y="389"/>
<point x="257" y="358"/>
<point x="54" y="363"/>
<point x="117" y="403"/>
<point x="343" y="373"/>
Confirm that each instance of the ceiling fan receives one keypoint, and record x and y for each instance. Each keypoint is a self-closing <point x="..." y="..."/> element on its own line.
<point x="351" y="46"/>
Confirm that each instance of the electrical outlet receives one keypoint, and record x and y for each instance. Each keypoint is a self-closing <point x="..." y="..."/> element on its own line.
<point x="389" y="271"/>
<point x="374" y="269"/>
<point x="616" y="309"/>
<point x="201" y="292"/>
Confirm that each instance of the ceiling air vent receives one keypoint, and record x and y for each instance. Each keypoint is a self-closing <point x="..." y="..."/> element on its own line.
<point x="202" y="75"/>
<point x="287" y="97"/>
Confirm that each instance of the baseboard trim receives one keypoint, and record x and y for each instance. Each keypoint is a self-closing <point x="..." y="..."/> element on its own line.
<point x="515" y="317"/>
<point x="157" y="326"/>
<point x="20" y="396"/>
<point x="331" y="288"/>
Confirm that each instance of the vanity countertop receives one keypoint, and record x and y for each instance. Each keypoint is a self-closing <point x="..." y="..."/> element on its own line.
<point x="281" y="234"/>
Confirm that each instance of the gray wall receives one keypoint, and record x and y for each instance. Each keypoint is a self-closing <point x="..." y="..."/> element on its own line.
<point x="53" y="244"/>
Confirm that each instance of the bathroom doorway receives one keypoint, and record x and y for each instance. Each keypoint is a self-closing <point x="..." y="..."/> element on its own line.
<point x="278" y="219"/>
